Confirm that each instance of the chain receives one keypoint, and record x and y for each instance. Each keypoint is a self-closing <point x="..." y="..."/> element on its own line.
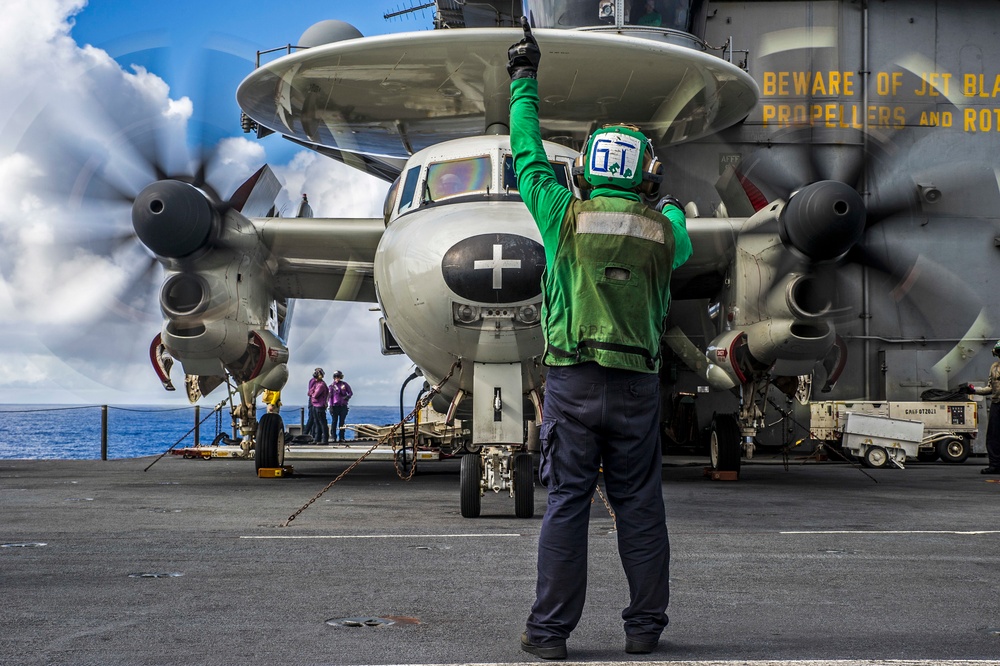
<point x="330" y="485"/>
<point x="606" y="506"/>
<point x="423" y="402"/>
<point x="829" y="449"/>
<point x="215" y="410"/>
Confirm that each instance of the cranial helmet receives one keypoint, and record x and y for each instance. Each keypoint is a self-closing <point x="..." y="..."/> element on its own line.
<point x="318" y="372"/>
<point x="996" y="349"/>
<point x="620" y="156"/>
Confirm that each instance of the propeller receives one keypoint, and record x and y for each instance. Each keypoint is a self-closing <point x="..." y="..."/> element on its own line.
<point x="89" y="154"/>
<point x="877" y="206"/>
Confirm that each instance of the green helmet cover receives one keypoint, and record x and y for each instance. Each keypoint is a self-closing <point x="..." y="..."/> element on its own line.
<point x="996" y="348"/>
<point x="614" y="157"/>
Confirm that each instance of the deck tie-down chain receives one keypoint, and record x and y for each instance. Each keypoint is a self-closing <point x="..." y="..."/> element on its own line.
<point x="607" y="506"/>
<point x="787" y="414"/>
<point x="215" y="410"/>
<point x="421" y="403"/>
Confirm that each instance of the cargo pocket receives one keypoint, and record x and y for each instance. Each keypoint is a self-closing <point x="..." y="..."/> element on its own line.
<point x="547" y="439"/>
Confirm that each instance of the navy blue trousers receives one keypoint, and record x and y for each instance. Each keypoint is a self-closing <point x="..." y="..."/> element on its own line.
<point x="320" y="429"/>
<point x="338" y="419"/>
<point x="594" y="416"/>
<point x="993" y="436"/>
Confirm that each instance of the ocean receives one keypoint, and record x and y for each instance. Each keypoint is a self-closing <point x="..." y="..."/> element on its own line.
<point x="73" y="432"/>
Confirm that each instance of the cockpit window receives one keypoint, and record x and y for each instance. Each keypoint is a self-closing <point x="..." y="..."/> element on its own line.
<point x="409" y="187"/>
<point x="510" y="178"/>
<point x="448" y="179"/>
<point x="390" y="199"/>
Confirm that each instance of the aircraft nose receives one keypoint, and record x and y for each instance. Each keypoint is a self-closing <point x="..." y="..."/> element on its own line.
<point x="495" y="268"/>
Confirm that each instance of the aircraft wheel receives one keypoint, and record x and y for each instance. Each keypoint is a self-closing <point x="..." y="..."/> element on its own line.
<point x="724" y="443"/>
<point x="269" y="448"/>
<point x="875" y="456"/>
<point x="954" y="450"/>
<point x="524" y="486"/>
<point x="471" y="475"/>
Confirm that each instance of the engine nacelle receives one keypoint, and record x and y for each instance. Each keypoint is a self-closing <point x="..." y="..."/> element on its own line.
<point x="790" y="347"/>
<point x="206" y="348"/>
<point x="207" y="325"/>
<point x="799" y="297"/>
<point x="217" y="299"/>
<point x="730" y="362"/>
<point x="781" y="346"/>
<point x="266" y="363"/>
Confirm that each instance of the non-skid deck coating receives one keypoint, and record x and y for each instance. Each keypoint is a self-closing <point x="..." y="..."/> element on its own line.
<point x="102" y="563"/>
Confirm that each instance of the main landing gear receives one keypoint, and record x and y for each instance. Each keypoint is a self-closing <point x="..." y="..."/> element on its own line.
<point x="732" y="435"/>
<point x="725" y="443"/>
<point x="269" y="449"/>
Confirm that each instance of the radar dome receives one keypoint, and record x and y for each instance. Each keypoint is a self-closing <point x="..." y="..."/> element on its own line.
<point x="327" y="32"/>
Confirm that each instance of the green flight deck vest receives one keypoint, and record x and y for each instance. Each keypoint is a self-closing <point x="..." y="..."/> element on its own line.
<point x="607" y="291"/>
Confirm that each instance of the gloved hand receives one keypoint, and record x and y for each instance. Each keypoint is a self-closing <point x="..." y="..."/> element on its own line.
<point x="523" y="57"/>
<point x="969" y="389"/>
<point x="669" y="200"/>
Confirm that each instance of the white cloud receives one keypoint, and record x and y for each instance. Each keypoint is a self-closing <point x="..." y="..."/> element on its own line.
<point x="77" y="306"/>
<point x="74" y="117"/>
<point x="32" y="34"/>
<point x="235" y="159"/>
<point x="334" y="189"/>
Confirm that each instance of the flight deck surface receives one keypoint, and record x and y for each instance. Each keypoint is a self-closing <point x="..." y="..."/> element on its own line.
<point x="102" y="563"/>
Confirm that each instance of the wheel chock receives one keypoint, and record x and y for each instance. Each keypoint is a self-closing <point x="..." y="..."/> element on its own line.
<point x="719" y="475"/>
<point x="274" y="472"/>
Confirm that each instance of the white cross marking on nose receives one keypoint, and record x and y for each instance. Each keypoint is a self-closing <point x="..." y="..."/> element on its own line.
<point x="497" y="263"/>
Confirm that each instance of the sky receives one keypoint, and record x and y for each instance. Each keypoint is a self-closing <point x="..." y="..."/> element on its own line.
<point x="83" y="83"/>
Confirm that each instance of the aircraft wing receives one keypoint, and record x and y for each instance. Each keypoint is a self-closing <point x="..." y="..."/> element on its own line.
<point x="326" y="259"/>
<point x="333" y="259"/>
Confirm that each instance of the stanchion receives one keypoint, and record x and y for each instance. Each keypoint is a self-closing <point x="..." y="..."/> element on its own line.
<point x="197" y="425"/>
<point x="104" y="432"/>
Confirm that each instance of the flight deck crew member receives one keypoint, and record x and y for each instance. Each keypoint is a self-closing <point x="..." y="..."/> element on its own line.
<point x="992" y="389"/>
<point x="607" y="262"/>
<point x="340" y="395"/>
<point x="318" y="396"/>
<point x="311" y="420"/>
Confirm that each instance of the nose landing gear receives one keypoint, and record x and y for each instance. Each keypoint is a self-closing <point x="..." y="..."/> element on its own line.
<point x="497" y="468"/>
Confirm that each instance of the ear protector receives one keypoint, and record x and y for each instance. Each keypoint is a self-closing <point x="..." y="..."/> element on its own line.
<point x="620" y="156"/>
